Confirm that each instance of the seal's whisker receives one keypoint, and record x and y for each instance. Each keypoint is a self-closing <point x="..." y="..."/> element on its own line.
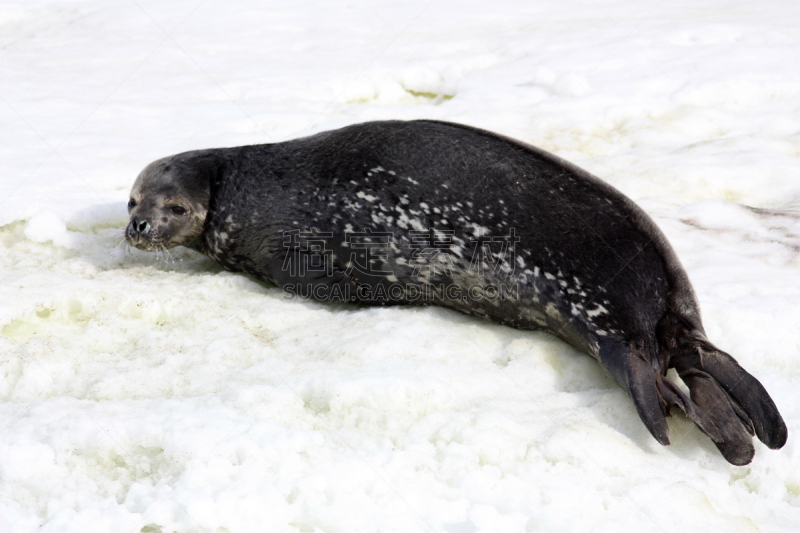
<point x="163" y="252"/>
<point x="169" y="255"/>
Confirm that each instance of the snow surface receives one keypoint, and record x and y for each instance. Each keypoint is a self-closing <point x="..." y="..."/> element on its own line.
<point x="149" y="393"/>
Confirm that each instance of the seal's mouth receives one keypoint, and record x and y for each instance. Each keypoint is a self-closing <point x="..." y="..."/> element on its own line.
<point x="147" y="245"/>
<point x="150" y="245"/>
<point x="149" y="240"/>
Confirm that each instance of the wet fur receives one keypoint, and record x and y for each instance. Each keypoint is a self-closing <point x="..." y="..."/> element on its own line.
<point x="596" y="270"/>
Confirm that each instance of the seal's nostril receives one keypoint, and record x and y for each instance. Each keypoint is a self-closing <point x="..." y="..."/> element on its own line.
<point x="138" y="227"/>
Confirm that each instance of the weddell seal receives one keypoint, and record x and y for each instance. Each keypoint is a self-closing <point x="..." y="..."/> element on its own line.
<point x="428" y="212"/>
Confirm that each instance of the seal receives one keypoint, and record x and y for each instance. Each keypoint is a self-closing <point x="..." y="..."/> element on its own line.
<point x="428" y="212"/>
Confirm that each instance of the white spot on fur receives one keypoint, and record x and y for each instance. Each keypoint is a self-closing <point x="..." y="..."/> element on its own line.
<point x="599" y="310"/>
<point x="365" y="196"/>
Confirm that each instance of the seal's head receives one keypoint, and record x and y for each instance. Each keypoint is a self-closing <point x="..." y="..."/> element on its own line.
<point x="169" y="202"/>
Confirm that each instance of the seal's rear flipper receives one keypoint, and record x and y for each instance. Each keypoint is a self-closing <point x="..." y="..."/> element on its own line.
<point x="710" y="407"/>
<point x="672" y="395"/>
<point x="733" y="399"/>
<point x="653" y="395"/>
<point x="730" y="405"/>
<point x="642" y="386"/>
<point x="746" y="392"/>
<point x="735" y="439"/>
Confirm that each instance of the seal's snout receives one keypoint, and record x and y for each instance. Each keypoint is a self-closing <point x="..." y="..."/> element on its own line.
<point x="141" y="226"/>
<point x="138" y="228"/>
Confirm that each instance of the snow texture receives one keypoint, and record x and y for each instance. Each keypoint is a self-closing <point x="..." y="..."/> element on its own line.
<point x="147" y="393"/>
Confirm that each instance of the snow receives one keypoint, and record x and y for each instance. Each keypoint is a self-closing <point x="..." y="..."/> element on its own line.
<point x="149" y="393"/>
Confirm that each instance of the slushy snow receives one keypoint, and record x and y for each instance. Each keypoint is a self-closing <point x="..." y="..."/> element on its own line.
<point x="151" y="393"/>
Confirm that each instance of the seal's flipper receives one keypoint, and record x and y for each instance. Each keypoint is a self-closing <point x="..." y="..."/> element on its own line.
<point x="654" y="394"/>
<point x="643" y="390"/>
<point x="631" y="370"/>
<point x="672" y="395"/>
<point x="735" y="428"/>
<point x="747" y="393"/>
<point x="726" y="397"/>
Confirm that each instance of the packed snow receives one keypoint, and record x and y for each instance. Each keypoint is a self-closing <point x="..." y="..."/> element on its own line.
<point x="158" y="393"/>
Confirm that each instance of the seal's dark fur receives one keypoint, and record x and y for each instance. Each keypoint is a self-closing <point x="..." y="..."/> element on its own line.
<point x="579" y="259"/>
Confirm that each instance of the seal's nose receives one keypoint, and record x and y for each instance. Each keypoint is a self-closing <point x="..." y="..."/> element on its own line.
<point x="138" y="227"/>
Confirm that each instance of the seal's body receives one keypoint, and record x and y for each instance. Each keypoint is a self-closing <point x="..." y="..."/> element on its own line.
<point x="432" y="212"/>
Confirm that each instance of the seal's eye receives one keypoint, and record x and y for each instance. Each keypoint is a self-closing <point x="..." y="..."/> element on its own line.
<point x="178" y="210"/>
<point x="131" y="203"/>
